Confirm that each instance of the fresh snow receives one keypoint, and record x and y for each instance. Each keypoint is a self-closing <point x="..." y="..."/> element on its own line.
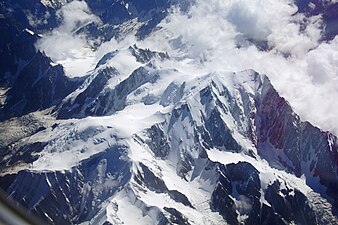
<point x="78" y="140"/>
<point x="81" y="62"/>
<point x="29" y="31"/>
<point x="267" y="174"/>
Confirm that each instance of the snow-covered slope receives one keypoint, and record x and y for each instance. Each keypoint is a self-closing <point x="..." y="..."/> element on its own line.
<point x="161" y="129"/>
<point x="174" y="147"/>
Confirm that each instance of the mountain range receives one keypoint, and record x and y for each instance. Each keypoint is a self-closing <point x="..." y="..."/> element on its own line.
<point x="112" y="113"/>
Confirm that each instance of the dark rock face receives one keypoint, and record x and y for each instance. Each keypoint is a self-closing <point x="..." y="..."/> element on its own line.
<point x="238" y="191"/>
<point x="219" y="134"/>
<point x="277" y="124"/>
<point x="158" y="142"/>
<point x="176" y="217"/>
<point x="179" y="197"/>
<point x="118" y="12"/>
<point x="308" y="150"/>
<point x="38" y="86"/>
<point x="101" y="100"/>
<point x="33" y="83"/>
<point x="15" y="51"/>
<point x="16" y="43"/>
<point x="149" y="12"/>
<point x="237" y="181"/>
<point x="106" y="58"/>
<point x="156" y="184"/>
<point x="25" y="154"/>
<point x="319" y="152"/>
<point x="290" y="204"/>
<point x="77" y="107"/>
<point x="151" y="181"/>
<point x="145" y="55"/>
<point x="70" y="197"/>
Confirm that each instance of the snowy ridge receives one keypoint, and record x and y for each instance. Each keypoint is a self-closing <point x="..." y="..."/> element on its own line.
<point x="179" y="135"/>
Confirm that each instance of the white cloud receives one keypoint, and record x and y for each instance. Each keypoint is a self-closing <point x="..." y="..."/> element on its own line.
<point x="246" y="22"/>
<point x="212" y="25"/>
<point x="74" y="15"/>
<point x="243" y="204"/>
<point x="323" y="63"/>
<point x="209" y="32"/>
<point x="62" y="44"/>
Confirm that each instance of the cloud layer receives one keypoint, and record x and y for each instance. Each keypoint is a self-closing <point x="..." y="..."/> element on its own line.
<point x="219" y="35"/>
<point x="301" y="68"/>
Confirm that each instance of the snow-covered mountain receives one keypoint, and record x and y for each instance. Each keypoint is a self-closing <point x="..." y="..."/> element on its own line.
<point x="175" y="120"/>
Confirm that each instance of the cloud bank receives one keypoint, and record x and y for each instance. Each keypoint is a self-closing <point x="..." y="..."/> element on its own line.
<point x="265" y="35"/>
<point x="228" y="35"/>
<point x="63" y="45"/>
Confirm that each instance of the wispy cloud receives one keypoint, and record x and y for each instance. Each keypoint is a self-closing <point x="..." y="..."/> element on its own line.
<point x="63" y="43"/>
<point x="302" y="69"/>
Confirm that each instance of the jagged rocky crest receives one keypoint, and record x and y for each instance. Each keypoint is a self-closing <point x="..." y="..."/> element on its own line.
<point x="211" y="142"/>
